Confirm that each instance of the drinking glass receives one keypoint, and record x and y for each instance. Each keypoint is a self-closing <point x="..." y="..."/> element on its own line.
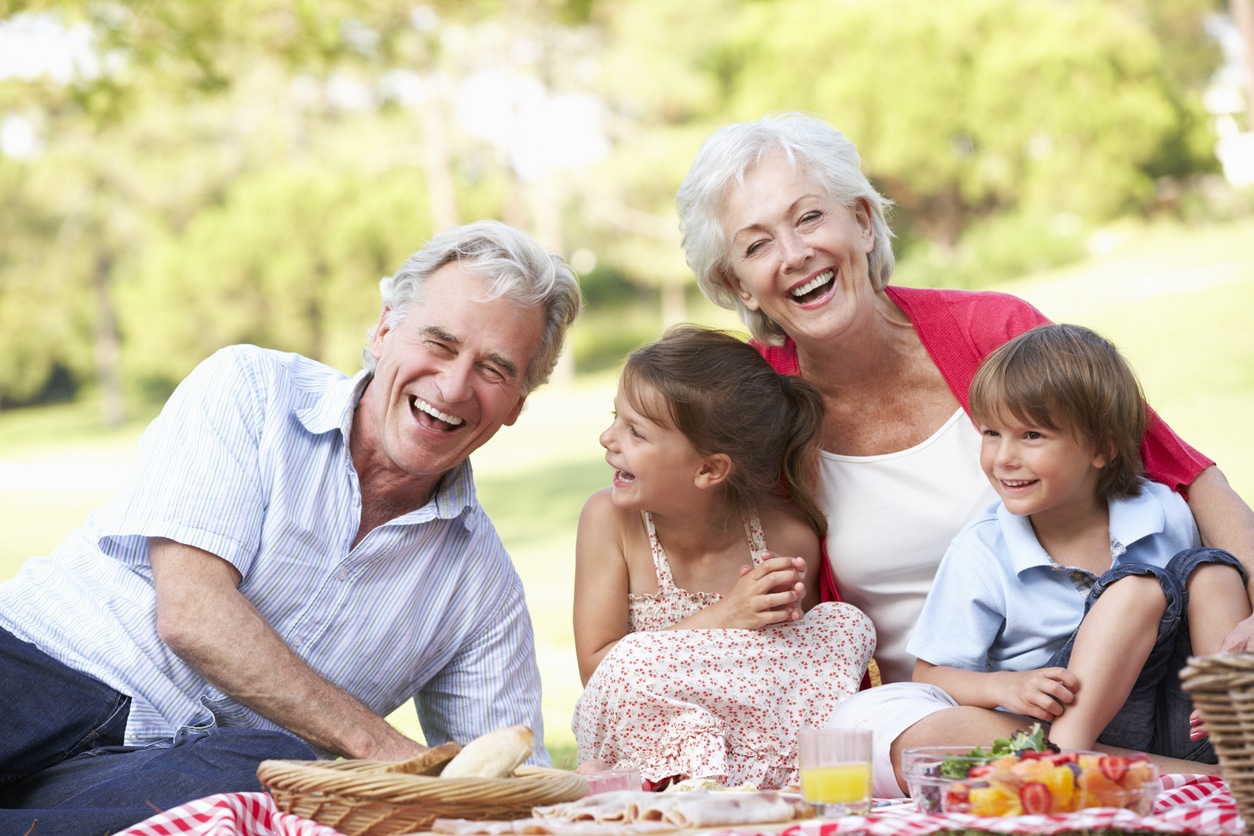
<point x="835" y="766"/>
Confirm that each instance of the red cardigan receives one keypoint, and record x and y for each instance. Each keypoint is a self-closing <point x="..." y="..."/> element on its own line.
<point x="959" y="328"/>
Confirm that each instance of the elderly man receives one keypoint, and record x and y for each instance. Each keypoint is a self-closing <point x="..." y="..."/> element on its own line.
<point x="297" y="555"/>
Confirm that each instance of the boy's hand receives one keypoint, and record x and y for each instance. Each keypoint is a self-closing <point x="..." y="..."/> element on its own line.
<point x="766" y="594"/>
<point x="1043" y="693"/>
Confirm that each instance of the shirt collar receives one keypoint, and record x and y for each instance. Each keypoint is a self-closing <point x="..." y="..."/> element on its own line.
<point x="1025" y="550"/>
<point x="333" y="409"/>
<point x="1136" y="518"/>
<point x="1130" y="520"/>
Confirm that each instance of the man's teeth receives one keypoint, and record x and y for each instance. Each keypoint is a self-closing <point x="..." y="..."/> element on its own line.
<point x="818" y="281"/>
<point x="435" y="413"/>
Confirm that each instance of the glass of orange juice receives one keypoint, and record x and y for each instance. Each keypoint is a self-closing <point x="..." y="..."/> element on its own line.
<point x="835" y="766"/>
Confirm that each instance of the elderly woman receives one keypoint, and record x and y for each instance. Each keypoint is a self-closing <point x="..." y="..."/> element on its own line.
<point x="780" y="225"/>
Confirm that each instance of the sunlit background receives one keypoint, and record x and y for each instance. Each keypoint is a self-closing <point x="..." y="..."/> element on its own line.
<point x="180" y="175"/>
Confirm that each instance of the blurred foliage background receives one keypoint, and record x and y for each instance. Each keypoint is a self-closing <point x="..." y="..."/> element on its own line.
<point x="178" y="174"/>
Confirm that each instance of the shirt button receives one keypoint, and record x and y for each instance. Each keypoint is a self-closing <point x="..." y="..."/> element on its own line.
<point x="342" y="576"/>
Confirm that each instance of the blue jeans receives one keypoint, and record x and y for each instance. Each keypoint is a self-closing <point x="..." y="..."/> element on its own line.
<point x="1155" y="717"/>
<point x="63" y="765"/>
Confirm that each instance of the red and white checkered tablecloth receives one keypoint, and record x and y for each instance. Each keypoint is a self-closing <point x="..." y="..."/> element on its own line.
<point x="1188" y="804"/>
<point x="229" y="814"/>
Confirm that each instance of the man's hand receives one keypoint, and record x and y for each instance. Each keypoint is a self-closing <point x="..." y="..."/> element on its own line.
<point x="204" y="619"/>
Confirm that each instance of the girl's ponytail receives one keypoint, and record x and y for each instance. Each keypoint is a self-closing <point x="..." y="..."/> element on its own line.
<point x="801" y="449"/>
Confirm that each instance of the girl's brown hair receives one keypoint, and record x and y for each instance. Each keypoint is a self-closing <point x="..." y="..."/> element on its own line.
<point x="1069" y="379"/>
<point x="725" y="398"/>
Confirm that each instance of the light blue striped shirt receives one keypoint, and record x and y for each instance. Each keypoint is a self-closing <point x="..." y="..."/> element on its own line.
<point x="249" y="460"/>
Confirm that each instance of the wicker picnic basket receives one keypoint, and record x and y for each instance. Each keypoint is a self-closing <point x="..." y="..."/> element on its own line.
<point x="366" y="798"/>
<point x="1223" y="688"/>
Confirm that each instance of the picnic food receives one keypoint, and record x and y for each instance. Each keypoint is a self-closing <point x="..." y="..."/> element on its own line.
<point x="493" y="755"/>
<point x="1027" y="775"/>
<point x="699" y="808"/>
<point x="429" y="762"/>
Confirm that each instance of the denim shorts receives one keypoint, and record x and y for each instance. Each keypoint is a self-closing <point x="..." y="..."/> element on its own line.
<point x="1155" y="717"/>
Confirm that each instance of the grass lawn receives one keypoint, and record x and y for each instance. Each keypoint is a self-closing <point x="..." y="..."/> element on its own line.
<point x="1176" y="303"/>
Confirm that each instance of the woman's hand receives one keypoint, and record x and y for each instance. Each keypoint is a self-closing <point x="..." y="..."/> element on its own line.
<point x="768" y="593"/>
<point x="1043" y="693"/>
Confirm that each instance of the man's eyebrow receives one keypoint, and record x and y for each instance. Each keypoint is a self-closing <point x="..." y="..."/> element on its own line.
<point x="507" y="366"/>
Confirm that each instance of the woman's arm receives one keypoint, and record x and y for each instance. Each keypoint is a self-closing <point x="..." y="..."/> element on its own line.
<point x="601" y="582"/>
<point x="1226" y="522"/>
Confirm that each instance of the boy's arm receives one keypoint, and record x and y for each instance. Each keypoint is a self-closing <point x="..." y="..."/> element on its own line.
<point x="1042" y="693"/>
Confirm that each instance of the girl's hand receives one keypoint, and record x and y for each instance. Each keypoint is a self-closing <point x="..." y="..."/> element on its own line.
<point x="1043" y="693"/>
<point x="768" y="593"/>
<point x="1197" y="726"/>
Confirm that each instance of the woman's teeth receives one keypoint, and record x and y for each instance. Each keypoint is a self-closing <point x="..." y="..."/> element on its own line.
<point x="815" y="283"/>
<point x="423" y="406"/>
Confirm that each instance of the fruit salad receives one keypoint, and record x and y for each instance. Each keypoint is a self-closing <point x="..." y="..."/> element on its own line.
<point x="1029" y="779"/>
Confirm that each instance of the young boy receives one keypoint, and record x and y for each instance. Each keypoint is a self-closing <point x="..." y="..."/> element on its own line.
<point x="1078" y="598"/>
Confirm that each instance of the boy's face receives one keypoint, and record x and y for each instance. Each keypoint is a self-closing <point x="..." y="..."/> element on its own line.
<point x="1039" y="471"/>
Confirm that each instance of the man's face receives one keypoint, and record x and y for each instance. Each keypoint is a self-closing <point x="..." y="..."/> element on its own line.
<point x="449" y="375"/>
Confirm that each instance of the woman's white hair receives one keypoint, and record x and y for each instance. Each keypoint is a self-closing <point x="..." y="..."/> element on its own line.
<point x="518" y="268"/>
<point x="811" y="146"/>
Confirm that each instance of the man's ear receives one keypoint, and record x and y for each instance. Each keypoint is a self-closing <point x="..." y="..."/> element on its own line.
<point x="380" y="332"/>
<point x="714" y="471"/>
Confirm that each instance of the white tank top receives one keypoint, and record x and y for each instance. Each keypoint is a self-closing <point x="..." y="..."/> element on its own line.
<point x="890" y="519"/>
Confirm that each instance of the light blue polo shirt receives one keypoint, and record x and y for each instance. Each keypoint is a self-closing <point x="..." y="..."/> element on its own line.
<point x="1000" y="603"/>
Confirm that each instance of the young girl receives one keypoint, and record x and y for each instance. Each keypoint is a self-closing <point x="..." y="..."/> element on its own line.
<point x="702" y="652"/>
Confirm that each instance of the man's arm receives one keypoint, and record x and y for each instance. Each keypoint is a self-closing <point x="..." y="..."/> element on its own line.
<point x="204" y="619"/>
<point x="1226" y="522"/>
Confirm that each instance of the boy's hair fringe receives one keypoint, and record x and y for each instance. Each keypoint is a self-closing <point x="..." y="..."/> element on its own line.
<point x="1068" y="378"/>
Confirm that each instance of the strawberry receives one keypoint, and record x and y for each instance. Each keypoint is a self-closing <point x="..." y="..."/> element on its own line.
<point x="980" y="770"/>
<point x="1035" y="798"/>
<point x="1114" y="767"/>
<point x="957" y="798"/>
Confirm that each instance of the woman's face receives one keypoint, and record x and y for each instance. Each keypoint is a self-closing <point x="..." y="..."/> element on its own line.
<point x="796" y="254"/>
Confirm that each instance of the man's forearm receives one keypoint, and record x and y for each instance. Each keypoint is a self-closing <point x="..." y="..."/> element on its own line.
<point x="204" y="619"/>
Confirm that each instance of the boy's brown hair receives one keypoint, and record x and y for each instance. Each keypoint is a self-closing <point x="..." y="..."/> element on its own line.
<point x="1070" y="379"/>
<point x="725" y="398"/>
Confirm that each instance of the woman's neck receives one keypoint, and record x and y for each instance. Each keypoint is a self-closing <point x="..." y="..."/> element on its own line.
<point x="878" y="348"/>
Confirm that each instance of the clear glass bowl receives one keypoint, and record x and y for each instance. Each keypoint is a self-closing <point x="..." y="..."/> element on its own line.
<point x="1010" y="786"/>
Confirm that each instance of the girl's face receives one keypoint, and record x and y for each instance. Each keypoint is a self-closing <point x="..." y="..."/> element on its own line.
<point x="654" y="463"/>
<point x="1047" y="474"/>
<point x="798" y="256"/>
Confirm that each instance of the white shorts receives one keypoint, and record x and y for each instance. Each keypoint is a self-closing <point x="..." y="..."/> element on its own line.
<point x="888" y="710"/>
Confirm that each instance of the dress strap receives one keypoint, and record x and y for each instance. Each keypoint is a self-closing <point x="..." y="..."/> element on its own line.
<point x="755" y="535"/>
<point x="665" y="581"/>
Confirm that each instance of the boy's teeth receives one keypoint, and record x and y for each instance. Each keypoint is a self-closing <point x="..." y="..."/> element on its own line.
<point x="435" y="413"/>
<point x="818" y="281"/>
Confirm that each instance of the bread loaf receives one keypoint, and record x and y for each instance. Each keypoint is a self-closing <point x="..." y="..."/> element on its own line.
<point x="493" y="755"/>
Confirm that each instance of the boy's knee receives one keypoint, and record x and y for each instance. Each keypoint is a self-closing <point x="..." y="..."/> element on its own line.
<point x="1214" y="576"/>
<point x="1137" y="590"/>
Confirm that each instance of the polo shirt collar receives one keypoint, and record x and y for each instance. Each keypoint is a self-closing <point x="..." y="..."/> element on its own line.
<point x="1136" y="518"/>
<point x="1025" y="550"/>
